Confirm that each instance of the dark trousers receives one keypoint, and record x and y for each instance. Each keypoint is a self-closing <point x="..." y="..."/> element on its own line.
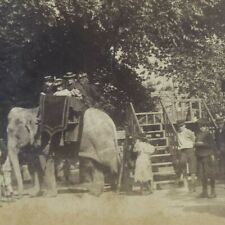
<point x="206" y="171"/>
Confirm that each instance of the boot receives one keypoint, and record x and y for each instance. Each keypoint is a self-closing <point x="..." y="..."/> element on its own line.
<point x="193" y="183"/>
<point x="204" y="194"/>
<point x="149" y="187"/>
<point x="212" y="194"/>
<point x="212" y="185"/>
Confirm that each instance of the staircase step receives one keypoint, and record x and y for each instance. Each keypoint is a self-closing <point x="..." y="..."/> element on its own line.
<point x="150" y="124"/>
<point x="161" y="155"/>
<point x="152" y="127"/>
<point x="165" y="182"/>
<point x="155" y="134"/>
<point x="164" y="173"/>
<point x="162" y="164"/>
<point x="155" y="131"/>
<point x="159" y="141"/>
<point x="161" y="148"/>
<point x="159" y="138"/>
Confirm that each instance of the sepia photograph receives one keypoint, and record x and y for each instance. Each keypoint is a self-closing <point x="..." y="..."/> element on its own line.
<point x="112" y="112"/>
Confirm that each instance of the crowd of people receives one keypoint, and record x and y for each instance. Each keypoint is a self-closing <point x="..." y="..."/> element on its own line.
<point x="201" y="155"/>
<point x="200" y="152"/>
<point x="71" y="84"/>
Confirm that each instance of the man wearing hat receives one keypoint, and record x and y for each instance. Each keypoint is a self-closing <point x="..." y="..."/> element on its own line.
<point x="89" y="91"/>
<point x="205" y="152"/>
<point x="70" y="79"/>
<point x="48" y="85"/>
<point x="60" y="88"/>
<point x="72" y="85"/>
<point x="220" y="142"/>
<point x="188" y="163"/>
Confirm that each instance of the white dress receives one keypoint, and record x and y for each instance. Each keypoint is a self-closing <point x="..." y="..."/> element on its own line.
<point x="143" y="166"/>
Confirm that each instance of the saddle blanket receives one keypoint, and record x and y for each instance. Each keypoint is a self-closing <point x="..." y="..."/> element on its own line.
<point x="54" y="113"/>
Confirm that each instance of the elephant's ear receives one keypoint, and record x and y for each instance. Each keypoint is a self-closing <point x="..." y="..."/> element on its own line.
<point x="22" y="135"/>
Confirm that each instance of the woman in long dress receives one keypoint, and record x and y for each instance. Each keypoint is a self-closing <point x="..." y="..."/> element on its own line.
<point x="143" y="168"/>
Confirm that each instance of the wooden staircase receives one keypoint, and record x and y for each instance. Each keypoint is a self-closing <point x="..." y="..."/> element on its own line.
<point x="152" y="124"/>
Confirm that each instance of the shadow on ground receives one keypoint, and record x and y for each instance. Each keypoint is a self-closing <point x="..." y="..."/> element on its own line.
<point x="217" y="210"/>
<point x="190" y="202"/>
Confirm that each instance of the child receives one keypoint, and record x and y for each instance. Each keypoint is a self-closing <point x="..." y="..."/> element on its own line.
<point x="205" y="150"/>
<point x="143" y="168"/>
<point x="186" y="141"/>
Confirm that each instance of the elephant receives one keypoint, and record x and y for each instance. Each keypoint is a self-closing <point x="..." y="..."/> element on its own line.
<point x="97" y="150"/>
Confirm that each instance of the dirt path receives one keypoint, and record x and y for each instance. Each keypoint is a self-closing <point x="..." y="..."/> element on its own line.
<point x="174" y="206"/>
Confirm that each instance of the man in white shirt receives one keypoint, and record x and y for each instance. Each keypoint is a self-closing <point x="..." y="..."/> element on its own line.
<point x="188" y="161"/>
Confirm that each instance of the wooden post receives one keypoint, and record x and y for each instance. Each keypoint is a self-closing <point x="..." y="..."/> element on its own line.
<point x="200" y="108"/>
<point x="191" y="111"/>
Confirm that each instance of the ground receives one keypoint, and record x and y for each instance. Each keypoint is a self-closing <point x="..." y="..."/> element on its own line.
<point x="169" y="206"/>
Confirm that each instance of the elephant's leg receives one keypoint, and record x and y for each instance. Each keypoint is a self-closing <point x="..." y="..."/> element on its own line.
<point x="48" y="167"/>
<point x="13" y="155"/>
<point x="97" y="186"/>
<point x="114" y="181"/>
<point x="36" y="173"/>
<point x="86" y="168"/>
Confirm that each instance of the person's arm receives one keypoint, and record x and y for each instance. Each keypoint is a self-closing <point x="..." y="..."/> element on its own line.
<point x="217" y="140"/>
<point x="150" y="148"/>
<point x="191" y="135"/>
<point x="206" y="141"/>
<point x="199" y="142"/>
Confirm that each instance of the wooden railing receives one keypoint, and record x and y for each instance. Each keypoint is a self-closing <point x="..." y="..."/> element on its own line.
<point x="132" y="129"/>
<point x="185" y="109"/>
<point x="170" y="132"/>
<point x="209" y="116"/>
<point x="133" y="126"/>
<point x="149" y="118"/>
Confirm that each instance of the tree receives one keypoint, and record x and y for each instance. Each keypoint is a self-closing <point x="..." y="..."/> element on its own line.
<point x="108" y="39"/>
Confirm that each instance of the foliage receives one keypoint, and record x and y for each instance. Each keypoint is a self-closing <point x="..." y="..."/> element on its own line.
<point x="109" y="39"/>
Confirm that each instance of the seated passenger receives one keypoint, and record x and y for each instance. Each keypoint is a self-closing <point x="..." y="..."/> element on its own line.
<point x="89" y="91"/>
<point x="48" y="85"/>
<point x="60" y="88"/>
<point x="71" y="81"/>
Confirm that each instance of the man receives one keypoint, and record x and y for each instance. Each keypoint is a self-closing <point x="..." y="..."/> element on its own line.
<point x="71" y="85"/>
<point x="60" y="88"/>
<point x="89" y="91"/>
<point x="205" y="152"/>
<point x="48" y="85"/>
<point x="188" y="164"/>
<point x="220" y="142"/>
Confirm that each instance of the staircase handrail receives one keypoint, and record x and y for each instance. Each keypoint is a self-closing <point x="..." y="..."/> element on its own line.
<point x="210" y="114"/>
<point x="135" y="117"/>
<point x="164" y="109"/>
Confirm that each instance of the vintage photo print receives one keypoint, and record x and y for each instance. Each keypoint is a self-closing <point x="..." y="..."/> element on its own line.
<point x="112" y="112"/>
